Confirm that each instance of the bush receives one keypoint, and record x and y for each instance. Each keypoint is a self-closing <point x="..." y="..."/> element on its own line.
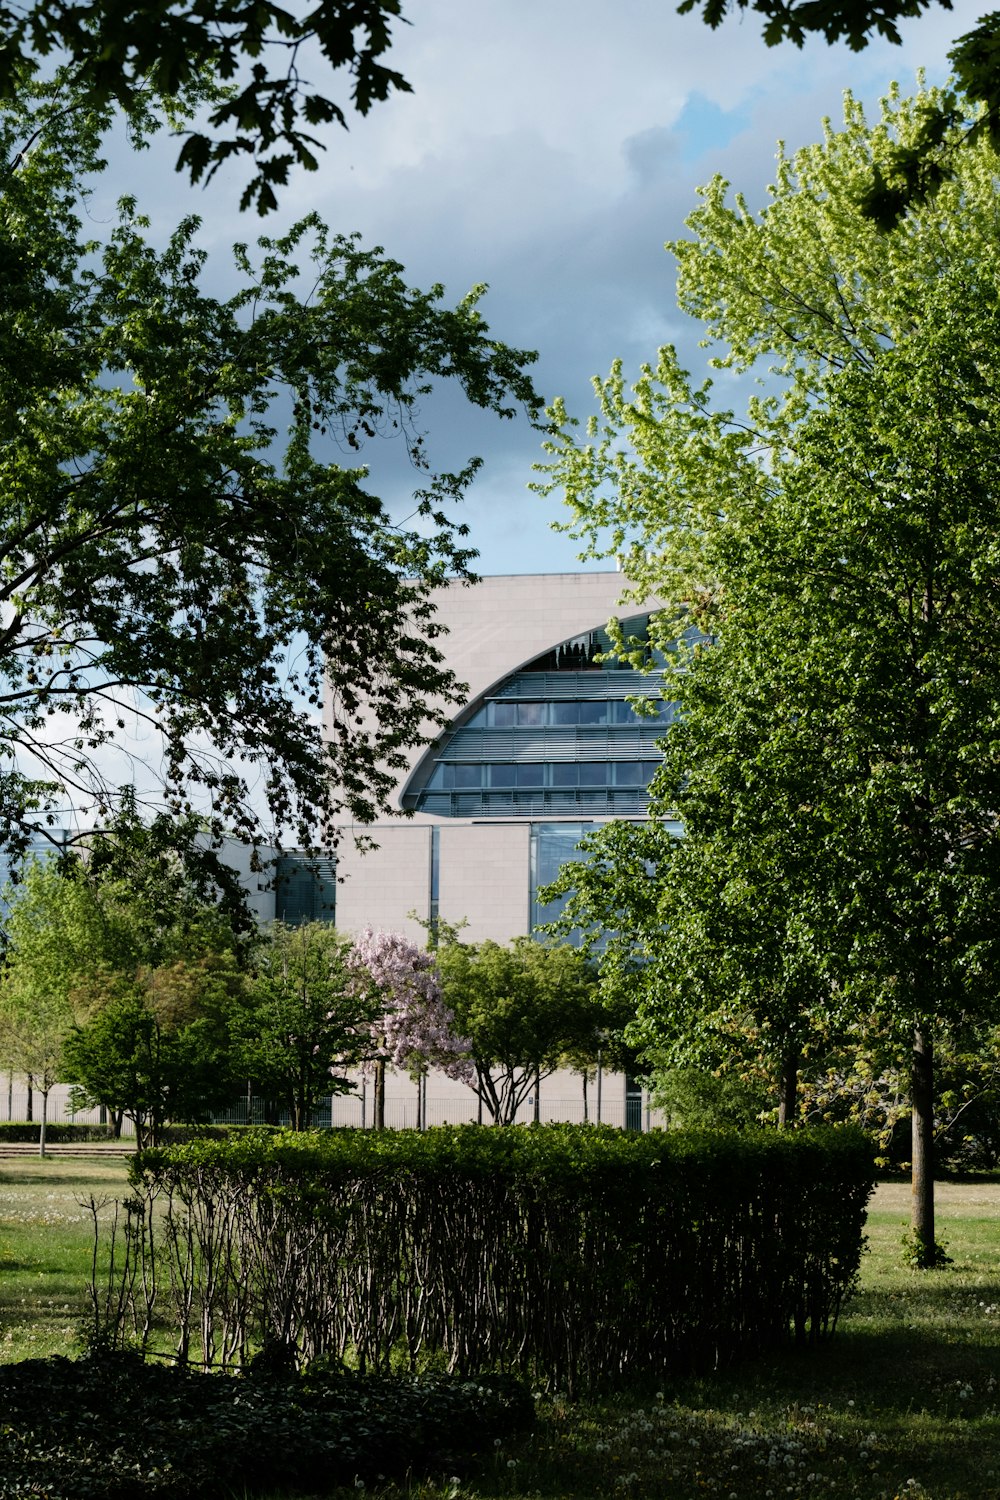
<point x="26" y="1131"/>
<point x="577" y="1256"/>
<point x="694" y="1098"/>
<point x="113" y="1428"/>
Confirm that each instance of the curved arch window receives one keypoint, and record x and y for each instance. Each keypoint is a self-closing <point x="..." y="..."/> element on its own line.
<point x="555" y="735"/>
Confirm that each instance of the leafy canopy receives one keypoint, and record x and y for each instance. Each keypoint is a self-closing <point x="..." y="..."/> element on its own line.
<point x="183" y="545"/>
<point x="913" y="170"/>
<point x="301" y="1022"/>
<point x="268" y="111"/>
<point x="525" y="1009"/>
<point x="834" y="758"/>
<point x="155" y="1044"/>
<point x="114" y="981"/>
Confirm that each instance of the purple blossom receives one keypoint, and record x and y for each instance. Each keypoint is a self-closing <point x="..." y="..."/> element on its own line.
<point x="416" y="1029"/>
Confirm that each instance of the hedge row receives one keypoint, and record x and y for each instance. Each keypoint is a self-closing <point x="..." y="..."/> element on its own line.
<point x="64" y="1132"/>
<point x="574" y="1255"/>
<point x="18" y="1132"/>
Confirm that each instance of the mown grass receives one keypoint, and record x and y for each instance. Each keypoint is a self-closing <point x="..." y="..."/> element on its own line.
<point x="905" y="1402"/>
<point x="46" y="1245"/>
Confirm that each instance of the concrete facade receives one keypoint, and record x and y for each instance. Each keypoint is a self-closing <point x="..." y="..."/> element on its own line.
<point x="505" y="635"/>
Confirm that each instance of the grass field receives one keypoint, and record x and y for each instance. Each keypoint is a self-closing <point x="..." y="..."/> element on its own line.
<point x="905" y="1402"/>
<point x="46" y="1244"/>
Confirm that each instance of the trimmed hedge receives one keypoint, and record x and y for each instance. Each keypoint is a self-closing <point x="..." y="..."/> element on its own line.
<point x="63" y="1132"/>
<point x="578" y="1256"/>
<point x="18" y="1132"/>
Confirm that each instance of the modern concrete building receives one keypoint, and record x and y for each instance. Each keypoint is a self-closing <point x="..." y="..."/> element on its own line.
<point x="542" y="748"/>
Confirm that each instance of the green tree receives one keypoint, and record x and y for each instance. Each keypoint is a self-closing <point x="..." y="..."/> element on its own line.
<point x="524" y="1009"/>
<point x="836" y="548"/>
<point x="53" y="931"/>
<point x="708" y="943"/>
<point x="302" y="1021"/>
<point x="914" y="169"/>
<point x="155" y="1045"/>
<point x="178" y="885"/>
<point x="166" y="551"/>
<point x="261" y="110"/>
<point x="81" y="927"/>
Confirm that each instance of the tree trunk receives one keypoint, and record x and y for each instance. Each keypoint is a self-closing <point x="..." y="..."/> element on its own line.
<point x="538" y="1095"/>
<point x="379" y="1110"/>
<point x="585" y="1101"/>
<point x="30" y="1111"/>
<point x="45" y="1119"/>
<point x="922" y="1149"/>
<point x="788" y="1087"/>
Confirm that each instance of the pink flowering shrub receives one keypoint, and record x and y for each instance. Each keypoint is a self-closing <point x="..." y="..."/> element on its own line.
<point x="416" y="1029"/>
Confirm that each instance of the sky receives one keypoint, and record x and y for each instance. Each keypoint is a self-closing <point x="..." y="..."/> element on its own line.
<point x="549" y="148"/>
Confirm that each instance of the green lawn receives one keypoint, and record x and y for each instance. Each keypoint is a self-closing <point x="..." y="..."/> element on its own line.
<point x="46" y="1243"/>
<point x="905" y="1402"/>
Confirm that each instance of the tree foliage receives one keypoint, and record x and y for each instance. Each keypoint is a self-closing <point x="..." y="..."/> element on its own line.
<point x="525" y="1009"/>
<point x="833" y="759"/>
<point x="54" y="930"/>
<point x="175" y="877"/>
<point x="264" y="109"/>
<point x="853" y="21"/>
<point x="167" y="550"/>
<point x="414" y="1026"/>
<point x="114" y="974"/>
<point x="301" y="1022"/>
<point x="155" y="1045"/>
<point x="913" y="170"/>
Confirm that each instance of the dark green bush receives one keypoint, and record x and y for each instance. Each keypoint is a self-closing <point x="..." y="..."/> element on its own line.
<point x="26" y="1131"/>
<point x="576" y="1255"/>
<point x="114" y="1428"/>
<point x="65" y="1133"/>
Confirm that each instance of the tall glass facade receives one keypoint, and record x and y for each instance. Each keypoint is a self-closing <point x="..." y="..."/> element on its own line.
<point x="558" y="737"/>
<point x="305" y="890"/>
<point x="552" y="846"/>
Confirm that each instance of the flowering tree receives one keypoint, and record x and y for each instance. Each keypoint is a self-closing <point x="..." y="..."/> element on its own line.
<point x="416" y="1028"/>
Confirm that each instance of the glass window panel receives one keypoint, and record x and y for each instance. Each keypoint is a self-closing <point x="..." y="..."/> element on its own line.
<point x="629" y="773"/>
<point x="531" y="774"/>
<point x="503" y="715"/>
<point x="501" y="775"/>
<point x="564" y="773"/>
<point x="649" y="770"/>
<point x="564" y="713"/>
<point x="531" y="713"/>
<point x="593" y="773"/>
<point x="479" y="719"/>
<point x="447" y="776"/>
<point x="468" y="776"/>
<point x="592" y="713"/>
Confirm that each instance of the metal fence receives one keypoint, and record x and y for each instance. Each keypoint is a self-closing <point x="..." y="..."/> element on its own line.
<point x="628" y="1110"/>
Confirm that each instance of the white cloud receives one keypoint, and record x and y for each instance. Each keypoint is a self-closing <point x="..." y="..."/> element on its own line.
<point x="549" y="148"/>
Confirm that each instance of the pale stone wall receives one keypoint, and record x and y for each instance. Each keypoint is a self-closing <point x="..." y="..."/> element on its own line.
<point x="485" y="879"/>
<point x="499" y="624"/>
<point x="380" y="887"/>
